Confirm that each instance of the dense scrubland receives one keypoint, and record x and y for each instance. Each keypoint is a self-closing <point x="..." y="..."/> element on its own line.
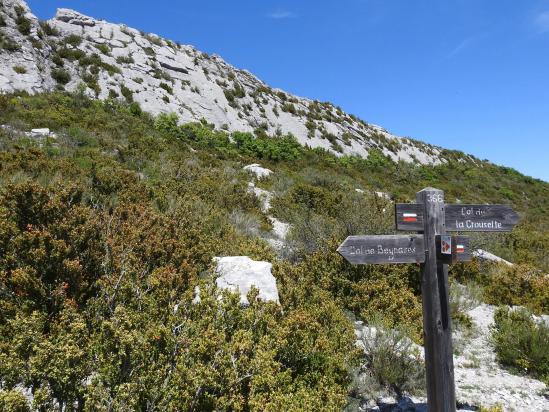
<point x="106" y="230"/>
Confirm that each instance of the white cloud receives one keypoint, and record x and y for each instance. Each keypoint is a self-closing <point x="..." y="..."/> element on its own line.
<point x="282" y="14"/>
<point x="542" y="22"/>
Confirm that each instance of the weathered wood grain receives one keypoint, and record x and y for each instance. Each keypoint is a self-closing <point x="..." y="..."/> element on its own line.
<point x="439" y="362"/>
<point x="480" y="218"/>
<point x="383" y="249"/>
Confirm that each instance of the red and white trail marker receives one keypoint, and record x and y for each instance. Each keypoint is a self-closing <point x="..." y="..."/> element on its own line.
<point x="409" y="217"/>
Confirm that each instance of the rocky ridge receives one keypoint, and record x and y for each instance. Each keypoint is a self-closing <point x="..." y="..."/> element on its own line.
<point x="104" y="60"/>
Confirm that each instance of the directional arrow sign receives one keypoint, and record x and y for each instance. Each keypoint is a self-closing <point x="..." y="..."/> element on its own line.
<point x="383" y="249"/>
<point x="480" y="218"/>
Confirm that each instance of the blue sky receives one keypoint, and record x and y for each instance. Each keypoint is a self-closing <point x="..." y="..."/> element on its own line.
<point x="471" y="75"/>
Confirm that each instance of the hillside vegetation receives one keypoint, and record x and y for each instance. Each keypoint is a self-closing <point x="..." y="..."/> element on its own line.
<point x="106" y="230"/>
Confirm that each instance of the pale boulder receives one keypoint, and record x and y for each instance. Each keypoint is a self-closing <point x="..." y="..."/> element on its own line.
<point x="484" y="255"/>
<point x="240" y="273"/>
<point x="258" y="171"/>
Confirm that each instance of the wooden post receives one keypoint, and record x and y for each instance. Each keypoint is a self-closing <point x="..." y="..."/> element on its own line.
<point x="435" y="251"/>
<point x="439" y="362"/>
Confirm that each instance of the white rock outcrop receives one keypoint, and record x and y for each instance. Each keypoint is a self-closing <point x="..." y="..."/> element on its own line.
<point x="258" y="171"/>
<point x="107" y="60"/>
<point x="240" y="273"/>
<point x="484" y="255"/>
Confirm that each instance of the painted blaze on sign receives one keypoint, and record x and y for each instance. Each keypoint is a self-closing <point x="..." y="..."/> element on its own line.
<point x="383" y="249"/>
<point x="409" y="216"/>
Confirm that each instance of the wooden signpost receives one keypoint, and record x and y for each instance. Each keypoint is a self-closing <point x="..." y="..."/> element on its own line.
<point x="434" y="250"/>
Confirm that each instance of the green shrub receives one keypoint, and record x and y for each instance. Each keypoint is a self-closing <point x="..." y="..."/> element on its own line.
<point x="8" y="44"/>
<point x="61" y="76"/>
<point x="166" y="87"/>
<point x="289" y="107"/>
<point x="57" y="60"/>
<point x="127" y="93"/>
<point x="149" y="51"/>
<point x="71" y="54"/>
<point x="521" y="285"/>
<point x="103" y="48"/>
<point x="496" y="408"/>
<point x="95" y="63"/>
<point x="393" y="361"/>
<point x="2" y="21"/>
<point x="13" y="401"/>
<point x="19" y="69"/>
<point x="113" y="94"/>
<point x="154" y="40"/>
<point x="90" y="60"/>
<point x="125" y="60"/>
<point x="37" y="44"/>
<point x="276" y="149"/>
<point x="24" y="25"/>
<point x="462" y="299"/>
<point x="92" y="81"/>
<point x="48" y="29"/>
<point x="521" y="343"/>
<point x="135" y="109"/>
<point x="73" y="39"/>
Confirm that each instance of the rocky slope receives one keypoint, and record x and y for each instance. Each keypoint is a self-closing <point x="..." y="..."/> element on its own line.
<point x="105" y="60"/>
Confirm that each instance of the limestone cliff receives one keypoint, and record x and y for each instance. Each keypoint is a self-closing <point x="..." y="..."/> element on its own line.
<point x="105" y="60"/>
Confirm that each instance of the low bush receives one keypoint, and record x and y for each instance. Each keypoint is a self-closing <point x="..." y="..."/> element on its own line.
<point x="92" y="81"/>
<point x="283" y="148"/>
<point x="73" y="39"/>
<point x="366" y="291"/>
<point x="70" y="54"/>
<point x="521" y="285"/>
<point x="289" y="108"/>
<point x="496" y="408"/>
<point x="48" y="29"/>
<point x="127" y="93"/>
<point x="166" y="87"/>
<point x="149" y="51"/>
<point x="57" y="60"/>
<point x="276" y="149"/>
<point x="113" y="94"/>
<point x="19" y="69"/>
<point x="462" y="299"/>
<point x="124" y="60"/>
<point x="13" y="401"/>
<point x="8" y="44"/>
<point x="521" y="343"/>
<point x="103" y="48"/>
<point x="95" y="62"/>
<point x="393" y="361"/>
<point x="24" y="25"/>
<point x="61" y="76"/>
